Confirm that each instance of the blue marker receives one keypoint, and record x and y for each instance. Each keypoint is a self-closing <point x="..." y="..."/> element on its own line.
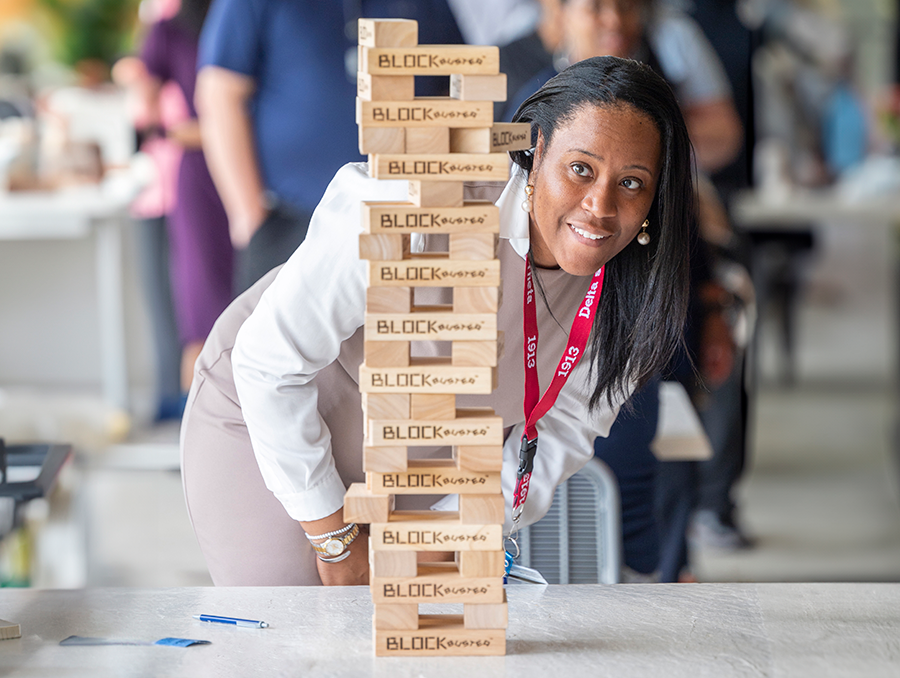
<point x="234" y="621"/>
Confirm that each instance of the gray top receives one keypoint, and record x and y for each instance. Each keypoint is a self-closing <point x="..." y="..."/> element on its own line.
<point x="672" y="630"/>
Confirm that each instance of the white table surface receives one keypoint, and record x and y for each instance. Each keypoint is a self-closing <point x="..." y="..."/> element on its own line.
<point x="661" y="630"/>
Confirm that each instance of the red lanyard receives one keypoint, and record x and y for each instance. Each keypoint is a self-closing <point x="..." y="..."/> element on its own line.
<point x="536" y="408"/>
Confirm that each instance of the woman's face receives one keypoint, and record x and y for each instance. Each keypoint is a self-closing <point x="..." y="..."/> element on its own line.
<point x="602" y="27"/>
<point x="594" y="184"/>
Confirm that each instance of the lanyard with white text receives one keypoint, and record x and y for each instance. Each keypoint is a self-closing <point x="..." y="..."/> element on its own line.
<point x="535" y="408"/>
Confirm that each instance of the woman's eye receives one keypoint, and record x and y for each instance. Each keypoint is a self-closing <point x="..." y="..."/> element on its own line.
<point x="580" y="170"/>
<point x="631" y="183"/>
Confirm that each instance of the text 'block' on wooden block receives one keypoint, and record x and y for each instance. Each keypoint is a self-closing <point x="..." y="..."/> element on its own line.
<point x="473" y="216"/>
<point x="427" y="375"/>
<point x="433" y="531"/>
<point x="433" y="272"/>
<point x="441" y="477"/>
<point x="440" y="638"/>
<point x="440" y="167"/>
<point x="424" y="112"/>
<point x="430" y="60"/>
<point x="419" y="326"/>
<point x="499" y="138"/>
<point x="458" y="431"/>
<point x="436" y="583"/>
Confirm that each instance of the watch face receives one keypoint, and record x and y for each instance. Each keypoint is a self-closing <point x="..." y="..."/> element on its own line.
<point x="334" y="547"/>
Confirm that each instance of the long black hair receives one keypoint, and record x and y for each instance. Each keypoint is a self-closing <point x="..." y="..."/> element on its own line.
<point x="640" y="320"/>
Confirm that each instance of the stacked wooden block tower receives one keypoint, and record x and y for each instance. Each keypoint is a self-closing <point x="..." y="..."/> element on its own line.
<point x="436" y="144"/>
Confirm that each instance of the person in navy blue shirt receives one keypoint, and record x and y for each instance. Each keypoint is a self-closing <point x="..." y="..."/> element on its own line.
<point x="275" y="93"/>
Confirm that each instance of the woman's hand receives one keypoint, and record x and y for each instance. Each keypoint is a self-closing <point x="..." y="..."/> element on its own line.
<point x="352" y="570"/>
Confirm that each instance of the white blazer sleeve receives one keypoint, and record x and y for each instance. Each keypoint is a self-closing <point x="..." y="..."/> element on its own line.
<point x="565" y="443"/>
<point x="316" y="302"/>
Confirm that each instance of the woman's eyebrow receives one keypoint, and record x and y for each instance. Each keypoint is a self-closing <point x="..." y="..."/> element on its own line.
<point x="600" y="158"/>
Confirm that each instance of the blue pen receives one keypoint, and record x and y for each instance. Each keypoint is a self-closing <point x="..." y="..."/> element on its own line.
<point x="234" y="621"/>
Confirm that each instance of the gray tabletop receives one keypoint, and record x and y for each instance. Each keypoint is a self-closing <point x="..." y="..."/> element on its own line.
<point x="669" y="630"/>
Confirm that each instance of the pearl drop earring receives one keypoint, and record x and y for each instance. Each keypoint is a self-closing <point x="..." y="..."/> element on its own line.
<point x="528" y="203"/>
<point x="644" y="237"/>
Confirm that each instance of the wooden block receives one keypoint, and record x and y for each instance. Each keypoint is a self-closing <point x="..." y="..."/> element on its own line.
<point x="399" y="217"/>
<point x="384" y="459"/>
<point x="433" y="272"/>
<point x="475" y="353"/>
<point x="465" y="429"/>
<point x="361" y="506"/>
<point x="386" y="353"/>
<point x="9" y="630"/>
<point x="433" y="531"/>
<point x="393" y="564"/>
<point x="382" y="140"/>
<point x="440" y="635"/>
<point x="424" y="325"/>
<point x="388" y="32"/>
<point x="385" y="87"/>
<point x="385" y="405"/>
<point x="427" y="140"/>
<point x="398" y="616"/>
<point x="481" y="509"/>
<point x="481" y="563"/>
<point x="499" y="138"/>
<point x="476" y="300"/>
<point x="479" y="458"/>
<point x="424" y="112"/>
<point x="486" y="615"/>
<point x="383" y="247"/>
<point x="427" y="375"/>
<point x="478" y="87"/>
<point x="389" y="299"/>
<point x="437" y="476"/>
<point x="440" y="166"/>
<point x="432" y="406"/>
<point x="436" y="193"/>
<point x="431" y="60"/>
<point x="471" y="246"/>
<point x="435" y="583"/>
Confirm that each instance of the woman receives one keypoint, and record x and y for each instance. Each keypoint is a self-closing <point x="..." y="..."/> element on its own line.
<point x="611" y="159"/>
<point x="200" y="249"/>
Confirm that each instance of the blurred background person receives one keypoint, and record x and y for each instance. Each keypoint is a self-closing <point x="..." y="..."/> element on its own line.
<point x="275" y="91"/>
<point x="200" y="249"/>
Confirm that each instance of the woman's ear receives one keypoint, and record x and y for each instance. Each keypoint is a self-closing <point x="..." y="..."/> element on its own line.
<point x="538" y="155"/>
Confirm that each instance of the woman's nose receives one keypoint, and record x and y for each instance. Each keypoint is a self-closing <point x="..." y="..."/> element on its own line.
<point x="599" y="200"/>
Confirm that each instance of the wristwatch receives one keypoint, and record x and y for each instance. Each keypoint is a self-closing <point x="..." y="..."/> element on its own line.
<point x="334" y="546"/>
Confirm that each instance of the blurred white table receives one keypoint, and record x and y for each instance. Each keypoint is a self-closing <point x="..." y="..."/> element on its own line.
<point x="671" y="630"/>
<point x="752" y="210"/>
<point x="77" y="213"/>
